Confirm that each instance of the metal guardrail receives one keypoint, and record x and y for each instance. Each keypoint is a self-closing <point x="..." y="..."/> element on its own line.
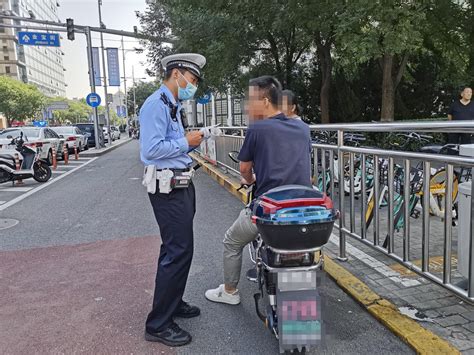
<point x="324" y="167"/>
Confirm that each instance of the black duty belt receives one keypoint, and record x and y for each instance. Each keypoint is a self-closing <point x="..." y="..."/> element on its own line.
<point x="176" y="170"/>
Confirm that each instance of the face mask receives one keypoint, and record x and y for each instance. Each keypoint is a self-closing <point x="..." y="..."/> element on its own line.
<point x="188" y="92"/>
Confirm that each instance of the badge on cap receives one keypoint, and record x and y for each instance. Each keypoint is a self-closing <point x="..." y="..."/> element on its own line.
<point x="190" y="61"/>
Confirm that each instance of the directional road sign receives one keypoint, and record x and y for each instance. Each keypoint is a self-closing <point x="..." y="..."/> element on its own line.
<point x="38" y="39"/>
<point x="93" y="99"/>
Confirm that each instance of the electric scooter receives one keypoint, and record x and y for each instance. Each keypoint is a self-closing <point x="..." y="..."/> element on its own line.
<point x="31" y="166"/>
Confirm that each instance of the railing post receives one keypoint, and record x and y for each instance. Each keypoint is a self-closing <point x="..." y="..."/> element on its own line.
<point x="342" y="235"/>
<point x="406" y="210"/>
<point x="351" y="192"/>
<point x="471" y="242"/>
<point x="363" y="192"/>
<point x="425" y="242"/>
<point x="448" y="216"/>
<point x="391" y="193"/>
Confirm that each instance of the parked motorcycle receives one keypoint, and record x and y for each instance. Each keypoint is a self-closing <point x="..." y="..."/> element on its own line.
<point x="31" y="166"/>
<point x="294" y="223"/>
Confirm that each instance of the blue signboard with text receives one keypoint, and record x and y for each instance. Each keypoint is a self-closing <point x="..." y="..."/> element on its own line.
<point x="38" y="39"/>
<point x="96" y="66"/>
<point x="113" y="66"/>
<point x="93" y="99"/>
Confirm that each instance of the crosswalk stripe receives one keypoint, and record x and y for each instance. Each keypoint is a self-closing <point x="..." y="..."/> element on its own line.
<point x="16" y="189"/>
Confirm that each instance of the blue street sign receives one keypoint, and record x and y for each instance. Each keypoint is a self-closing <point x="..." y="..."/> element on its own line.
<point x="38" y="39"/>
<point x="205" y="99"/>
<point x="96" y="66"/>
<point x="113" y="66"/>
<point x="40" y="123"/>
<point x="93" y="99"/>
<point x="121" y="111"/>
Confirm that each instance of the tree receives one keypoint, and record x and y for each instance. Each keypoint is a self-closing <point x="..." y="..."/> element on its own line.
<point x="239" y="39"/>
<point x="142" y="90"/>
<point x="19" y="101"/>
<point x="77" y="112"/>
<point x="387" y="31"/>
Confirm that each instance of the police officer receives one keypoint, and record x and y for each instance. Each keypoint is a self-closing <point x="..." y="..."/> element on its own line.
<point x="164" y="150"/>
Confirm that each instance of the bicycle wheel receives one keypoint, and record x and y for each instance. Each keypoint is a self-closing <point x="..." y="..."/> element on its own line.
<point x="438" y="189"/>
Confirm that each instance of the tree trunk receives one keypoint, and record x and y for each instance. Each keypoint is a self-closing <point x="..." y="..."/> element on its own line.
<point x="325" y="62"/>
<point x="387" y="113"/>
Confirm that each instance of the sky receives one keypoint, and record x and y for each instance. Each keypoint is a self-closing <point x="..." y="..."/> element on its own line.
<point x="116" y="14"/>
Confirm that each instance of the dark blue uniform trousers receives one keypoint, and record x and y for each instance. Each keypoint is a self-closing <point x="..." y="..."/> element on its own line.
<point x="174" y="213"/>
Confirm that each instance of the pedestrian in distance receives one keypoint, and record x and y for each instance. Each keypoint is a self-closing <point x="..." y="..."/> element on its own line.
<point x="164" y="149"/>
<point x="290" y="106"/>
<point x="461" y="109"/>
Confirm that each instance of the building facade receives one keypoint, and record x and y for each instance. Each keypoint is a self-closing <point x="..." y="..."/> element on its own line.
<point x="37" y="65"/>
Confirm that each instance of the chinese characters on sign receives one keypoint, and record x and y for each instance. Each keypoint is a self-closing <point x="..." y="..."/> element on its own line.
<point x="113" y="66"/>
<point x="96" y="66"/>
<point x="38" y="39"/>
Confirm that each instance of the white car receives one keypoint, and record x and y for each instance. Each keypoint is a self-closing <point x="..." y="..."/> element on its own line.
<point x="41" y="138"/>
<point x="106" y="134"/>
<point x="72" y="135"/>
<point x="115" y="132"/>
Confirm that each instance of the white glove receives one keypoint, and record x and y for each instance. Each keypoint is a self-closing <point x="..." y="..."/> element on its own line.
<point x="211" y="132"/>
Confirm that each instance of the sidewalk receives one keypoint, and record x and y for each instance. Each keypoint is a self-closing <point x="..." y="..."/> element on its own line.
<point x="430" y="305"/>
<point x="92" y="152"/>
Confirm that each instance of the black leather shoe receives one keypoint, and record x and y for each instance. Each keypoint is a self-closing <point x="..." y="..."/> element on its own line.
<point x="171" y="336"/>
<point x="185" y="310"/>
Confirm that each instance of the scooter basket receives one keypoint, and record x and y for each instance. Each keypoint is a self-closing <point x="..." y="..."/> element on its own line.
<point x="294" y="217"/>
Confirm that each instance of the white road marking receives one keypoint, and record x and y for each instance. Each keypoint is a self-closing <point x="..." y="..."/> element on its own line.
<point x="41" y="187"/>
<point x="2" y="202"/>
<point x="57" y="172"/>
<point x="16" y="189"/>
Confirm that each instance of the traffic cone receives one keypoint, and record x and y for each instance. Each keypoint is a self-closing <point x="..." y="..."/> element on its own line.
<point x="76" y="154"/>
<point x="55" y="160"/>
<point x="17" y="166"/>
<point x="65" y="155"/>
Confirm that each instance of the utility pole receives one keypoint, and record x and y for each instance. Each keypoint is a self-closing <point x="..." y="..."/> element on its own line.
<point x="92" y="83"/>
<point x="125" y="81"/>
<point x="134" y="96"/>
<point x="104" y="66"/>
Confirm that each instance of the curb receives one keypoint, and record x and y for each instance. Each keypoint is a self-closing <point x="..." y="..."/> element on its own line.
<point x="420" y="339"/>
<point x="105" y="150"/>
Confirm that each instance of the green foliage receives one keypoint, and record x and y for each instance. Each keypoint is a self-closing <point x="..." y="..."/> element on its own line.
<point x="19" y="101"/>
<point x="142" y="90"/>
<point x="430" y="42"/>
<point x="77" y="112"/>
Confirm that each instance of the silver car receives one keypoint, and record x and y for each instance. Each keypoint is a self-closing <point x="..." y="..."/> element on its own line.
<point x="72" y="135"/>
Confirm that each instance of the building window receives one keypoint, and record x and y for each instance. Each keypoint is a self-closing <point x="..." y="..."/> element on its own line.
<point x="7" y="70"/>
<point x="6" y="57"/>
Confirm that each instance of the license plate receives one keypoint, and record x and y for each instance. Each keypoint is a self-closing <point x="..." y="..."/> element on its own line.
<point x="294" y="281"/>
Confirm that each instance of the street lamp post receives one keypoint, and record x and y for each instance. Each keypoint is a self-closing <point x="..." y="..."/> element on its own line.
<point x="124" y="53"/>
<point x="104" y="67"/>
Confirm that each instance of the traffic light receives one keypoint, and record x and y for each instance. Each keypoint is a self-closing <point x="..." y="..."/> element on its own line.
<point x="70" y="29"/>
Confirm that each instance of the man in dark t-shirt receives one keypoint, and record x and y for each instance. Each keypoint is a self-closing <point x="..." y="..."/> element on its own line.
<point x="276" y="152"/>
<point x="462" y="110"/>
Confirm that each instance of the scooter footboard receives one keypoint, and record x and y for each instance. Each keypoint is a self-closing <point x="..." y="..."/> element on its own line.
<point x="298" y="310"/>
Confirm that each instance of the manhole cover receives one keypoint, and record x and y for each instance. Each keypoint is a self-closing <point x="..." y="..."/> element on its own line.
<point x="6" y="223"/>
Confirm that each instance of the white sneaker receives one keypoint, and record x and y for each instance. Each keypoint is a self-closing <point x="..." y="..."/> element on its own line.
<point x="220" y="295"/>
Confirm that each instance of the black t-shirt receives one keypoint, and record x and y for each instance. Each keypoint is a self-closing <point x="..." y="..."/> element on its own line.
<point x="461" y="112"/>
<point x="280" y="149"/>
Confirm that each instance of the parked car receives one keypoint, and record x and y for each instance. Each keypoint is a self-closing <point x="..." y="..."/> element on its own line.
<point x="115" y="132"/>
<point x="106" y="134"/>
<point x="41" y="138"/>
<point x="72" y="135"/>
<point x="88" y="130"/>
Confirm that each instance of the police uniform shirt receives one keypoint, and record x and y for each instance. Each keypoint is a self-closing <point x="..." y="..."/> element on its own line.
<point x="162" y="139"/>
